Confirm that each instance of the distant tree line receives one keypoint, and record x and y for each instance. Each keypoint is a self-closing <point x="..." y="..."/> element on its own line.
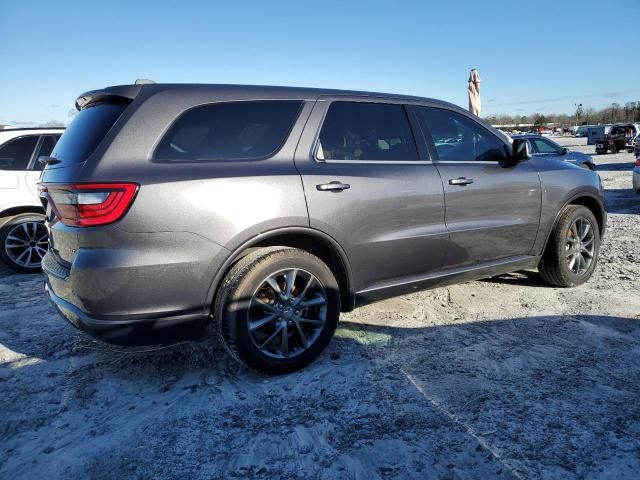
<point x="615" y="113"/>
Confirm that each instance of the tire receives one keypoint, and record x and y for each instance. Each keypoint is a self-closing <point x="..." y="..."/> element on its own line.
<point x="245" y="293"/>
<point x="555" y="267"/>
<point x="13" y="235"/>
<point x="614" y="149"/>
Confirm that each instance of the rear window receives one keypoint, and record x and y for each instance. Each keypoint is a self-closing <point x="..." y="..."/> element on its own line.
<point x="229" y="131"/>
<point x="86" y="131"/>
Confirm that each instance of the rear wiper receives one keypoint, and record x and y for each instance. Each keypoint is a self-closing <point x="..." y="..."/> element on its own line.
<point x="48" y="160"/>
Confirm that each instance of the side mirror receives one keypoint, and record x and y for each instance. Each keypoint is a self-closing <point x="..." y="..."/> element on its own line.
<point x="520" y="150"/>
<point x="564" y="151"/>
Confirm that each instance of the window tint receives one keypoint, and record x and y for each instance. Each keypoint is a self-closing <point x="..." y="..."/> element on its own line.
<point x="366" y="131"/>
<point x="86" y="131"/>
<point x="531" y="149"/>
<point x="46" y="147"/>
<point x="16" y="153"/>
<point x="459" y="138"/>
<point x="544" y="146"/>
<point x="229" y="131"/>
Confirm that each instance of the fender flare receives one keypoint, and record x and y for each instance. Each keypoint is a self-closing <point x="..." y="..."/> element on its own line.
<point x="603" y="214"/>
<point x="237" y="252"/>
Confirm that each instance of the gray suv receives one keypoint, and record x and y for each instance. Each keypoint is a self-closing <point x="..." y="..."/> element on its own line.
<point x="261" y="213"/>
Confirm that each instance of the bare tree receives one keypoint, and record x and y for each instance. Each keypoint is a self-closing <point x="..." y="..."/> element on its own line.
<point x="585" y="115"/>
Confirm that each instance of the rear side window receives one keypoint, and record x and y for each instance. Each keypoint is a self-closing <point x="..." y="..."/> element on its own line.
<point x="46" y="147"/>
<point x="229" y="131"/>
<point x="458" y="138"/>
<point x="86" y="131"/>
<point x="366" y="131"/>
<point x="16" y="153"/>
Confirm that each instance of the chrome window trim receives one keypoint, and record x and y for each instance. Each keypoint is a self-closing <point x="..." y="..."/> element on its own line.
<point x="378" y="162"/>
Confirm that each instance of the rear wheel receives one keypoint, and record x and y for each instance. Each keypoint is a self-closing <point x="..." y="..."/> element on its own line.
<point x="23" y="242"/>
<point x="572" y="251"/>
<point x="277" y="309"/>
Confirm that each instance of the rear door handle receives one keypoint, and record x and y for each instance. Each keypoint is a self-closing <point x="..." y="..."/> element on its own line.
<point x="460" y="181"/>
<point x="333" y="186"/>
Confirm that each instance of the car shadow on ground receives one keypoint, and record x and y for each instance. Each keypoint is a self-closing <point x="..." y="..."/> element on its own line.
<point x="541" y="396"/>
<point x="622" y="200"/>
<point x="524" y="278"/>
<point x="614" y="167"/>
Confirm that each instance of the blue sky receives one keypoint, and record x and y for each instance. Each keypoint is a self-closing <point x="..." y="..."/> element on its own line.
<point x="533" y="56"/>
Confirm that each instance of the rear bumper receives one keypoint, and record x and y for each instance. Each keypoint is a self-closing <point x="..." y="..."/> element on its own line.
<point x="133" y="288"/>
<point x="133" y="331"/>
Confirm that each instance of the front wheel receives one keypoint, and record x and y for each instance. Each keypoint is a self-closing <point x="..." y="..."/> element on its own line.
<point x="571" y="254"/>
<point x="277" y="309"/>
<point x="23" y="242"/>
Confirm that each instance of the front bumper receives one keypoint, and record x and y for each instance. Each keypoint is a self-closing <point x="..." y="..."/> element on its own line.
<point x="133" y="331"/>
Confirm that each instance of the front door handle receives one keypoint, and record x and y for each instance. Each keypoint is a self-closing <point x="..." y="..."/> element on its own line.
<point x="460" y="181"/>
<point x="333" y="186"/>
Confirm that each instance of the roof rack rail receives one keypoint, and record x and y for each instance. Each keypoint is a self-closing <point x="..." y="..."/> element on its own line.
<point x="143" y="81"/>
<point x="13" y="129"/>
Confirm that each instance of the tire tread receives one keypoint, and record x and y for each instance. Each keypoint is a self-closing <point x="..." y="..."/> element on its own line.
<point x="230" y="284"/>
<point x="549" y="268"/>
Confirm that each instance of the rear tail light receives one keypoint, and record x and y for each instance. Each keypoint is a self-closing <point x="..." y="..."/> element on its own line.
<point x="637" y="164"/>
<point x="89" y="204"/>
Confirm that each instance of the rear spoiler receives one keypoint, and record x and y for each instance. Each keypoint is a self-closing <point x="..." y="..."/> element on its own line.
<point x="117" y="94"/>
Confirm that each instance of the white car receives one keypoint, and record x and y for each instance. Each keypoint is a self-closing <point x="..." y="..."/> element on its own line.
<point x="23" y="236"/>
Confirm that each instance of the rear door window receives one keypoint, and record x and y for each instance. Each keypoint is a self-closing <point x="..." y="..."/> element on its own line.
<point x="86" y="131"/>
<point x="16" y="153"/>
<point x="249" y="130"/>
<point x="366" y="132"/>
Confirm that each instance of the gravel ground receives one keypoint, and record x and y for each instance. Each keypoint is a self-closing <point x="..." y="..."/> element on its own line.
<point x="501" y="378"/>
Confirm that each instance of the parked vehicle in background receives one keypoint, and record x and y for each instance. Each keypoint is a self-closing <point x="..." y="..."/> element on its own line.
<point x="542" y="146"/>
<point x="261" y="213"/>
<point x="581" y="130"/>
<point x="619" y="138"/>
<point x="23" y="236"/>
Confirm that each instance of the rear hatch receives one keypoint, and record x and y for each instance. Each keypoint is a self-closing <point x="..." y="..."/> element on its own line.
<point x="82" y="142"/>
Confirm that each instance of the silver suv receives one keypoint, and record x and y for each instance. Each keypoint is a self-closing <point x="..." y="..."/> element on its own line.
<point x="261" y="213"/>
